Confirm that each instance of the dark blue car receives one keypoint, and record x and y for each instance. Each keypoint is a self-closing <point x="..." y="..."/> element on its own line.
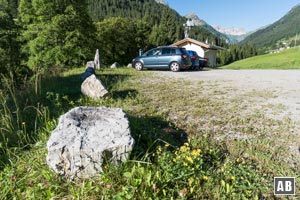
<point x="195" y="59"/>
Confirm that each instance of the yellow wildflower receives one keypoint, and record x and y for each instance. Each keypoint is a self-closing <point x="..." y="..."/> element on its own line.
<point x="232" y="178"/>
<point x="205" y="178"/>
<point x="189" y="159"/>
<point x="196" y="153"/>
<point x="183" y="149"/>
<point x="185" y="164"/>
<point x="23" y="123"/>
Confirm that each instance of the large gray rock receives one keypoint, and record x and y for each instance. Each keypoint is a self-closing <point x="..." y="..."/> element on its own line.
<point x="92" y="87"/>
<point x="85" y="137"/>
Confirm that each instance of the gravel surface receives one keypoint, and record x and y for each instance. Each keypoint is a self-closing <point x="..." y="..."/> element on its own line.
<point x="276" y="91"/>
<point x="273" y="93"/>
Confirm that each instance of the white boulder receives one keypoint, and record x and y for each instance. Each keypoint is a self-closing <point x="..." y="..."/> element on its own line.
<point x="83" y="139"/>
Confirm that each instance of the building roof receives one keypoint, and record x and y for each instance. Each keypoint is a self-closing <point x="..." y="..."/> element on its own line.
<point x="196" y="42"/>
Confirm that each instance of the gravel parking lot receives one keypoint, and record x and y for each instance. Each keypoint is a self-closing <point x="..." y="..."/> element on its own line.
<point x="266" y="94"/>
<point x="277" y="92"/>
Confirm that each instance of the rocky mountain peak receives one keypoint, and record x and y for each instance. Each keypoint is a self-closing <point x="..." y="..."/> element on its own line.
<point x="161" y="2"/>
<point x="231" y="30"/>
<point x="195" y="20"/>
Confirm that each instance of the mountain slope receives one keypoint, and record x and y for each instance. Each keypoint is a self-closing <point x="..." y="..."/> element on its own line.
<point x="285" y="28"/>
<point x="135" y="9"/>
<point x="288" y="59"/>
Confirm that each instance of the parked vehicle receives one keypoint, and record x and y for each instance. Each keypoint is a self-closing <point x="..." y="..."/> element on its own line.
<point x="197" y="61"/>
<point x="194" y="59"/>
<point x="203" y="62"/>
<point x="166" y="57"/>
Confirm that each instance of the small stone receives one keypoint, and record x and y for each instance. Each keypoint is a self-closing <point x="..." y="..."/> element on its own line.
<point x="92" y="87"/>
<point x="115" y="65"/>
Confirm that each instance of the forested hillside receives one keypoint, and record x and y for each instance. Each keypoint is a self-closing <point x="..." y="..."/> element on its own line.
<point x="166" y="24"/>
<point x="281" y="31"/>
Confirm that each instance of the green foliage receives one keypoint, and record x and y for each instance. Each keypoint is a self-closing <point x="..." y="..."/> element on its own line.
<point x="117" y="40"/>
<point x="19" y="122"/>
<point x="147" y="10"/>
<point x="9" y="47"/>
<point x="288" y="59"/>
<point x="235" y="53"/>
<point x="168" y="30"/>
<point x="285" y="28"/>
<point x="56" y="33"/>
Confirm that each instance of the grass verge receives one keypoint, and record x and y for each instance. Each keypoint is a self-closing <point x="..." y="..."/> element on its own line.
<point x="287" y="59"/>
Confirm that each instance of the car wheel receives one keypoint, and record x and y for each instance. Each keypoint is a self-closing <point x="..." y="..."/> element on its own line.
<point x="174" y="66"/>
<point x="138" y="66"/>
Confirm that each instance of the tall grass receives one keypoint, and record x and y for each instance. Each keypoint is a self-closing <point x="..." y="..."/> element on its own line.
<point x="19" y="119"/>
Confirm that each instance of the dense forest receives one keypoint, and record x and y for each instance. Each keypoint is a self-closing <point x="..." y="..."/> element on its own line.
<point x="38" y="36"/>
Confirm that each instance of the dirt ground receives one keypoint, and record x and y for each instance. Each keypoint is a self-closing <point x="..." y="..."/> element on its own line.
<point x="277" y="92"/>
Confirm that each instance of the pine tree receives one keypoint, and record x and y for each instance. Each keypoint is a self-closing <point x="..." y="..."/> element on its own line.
<point x="9" y="47"/>
<point x="56" y="33"/>
<point x="117" y="40"/>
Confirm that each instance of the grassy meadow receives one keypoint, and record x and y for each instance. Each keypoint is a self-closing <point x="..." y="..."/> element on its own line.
<point x="189" y="144"/>
<point x="287" y="59"/>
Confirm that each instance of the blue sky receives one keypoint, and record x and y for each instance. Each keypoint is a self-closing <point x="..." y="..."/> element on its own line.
<point x="247" y="14"/>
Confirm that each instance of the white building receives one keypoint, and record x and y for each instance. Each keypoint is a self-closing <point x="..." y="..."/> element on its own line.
<point x="203" y="50"/>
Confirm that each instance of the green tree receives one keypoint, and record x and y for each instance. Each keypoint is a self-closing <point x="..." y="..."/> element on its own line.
<point x="143" y="31"/>
<point x="56" y="33"/>
<point x="117" y="40"/>
<point x="9" y="47"/>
